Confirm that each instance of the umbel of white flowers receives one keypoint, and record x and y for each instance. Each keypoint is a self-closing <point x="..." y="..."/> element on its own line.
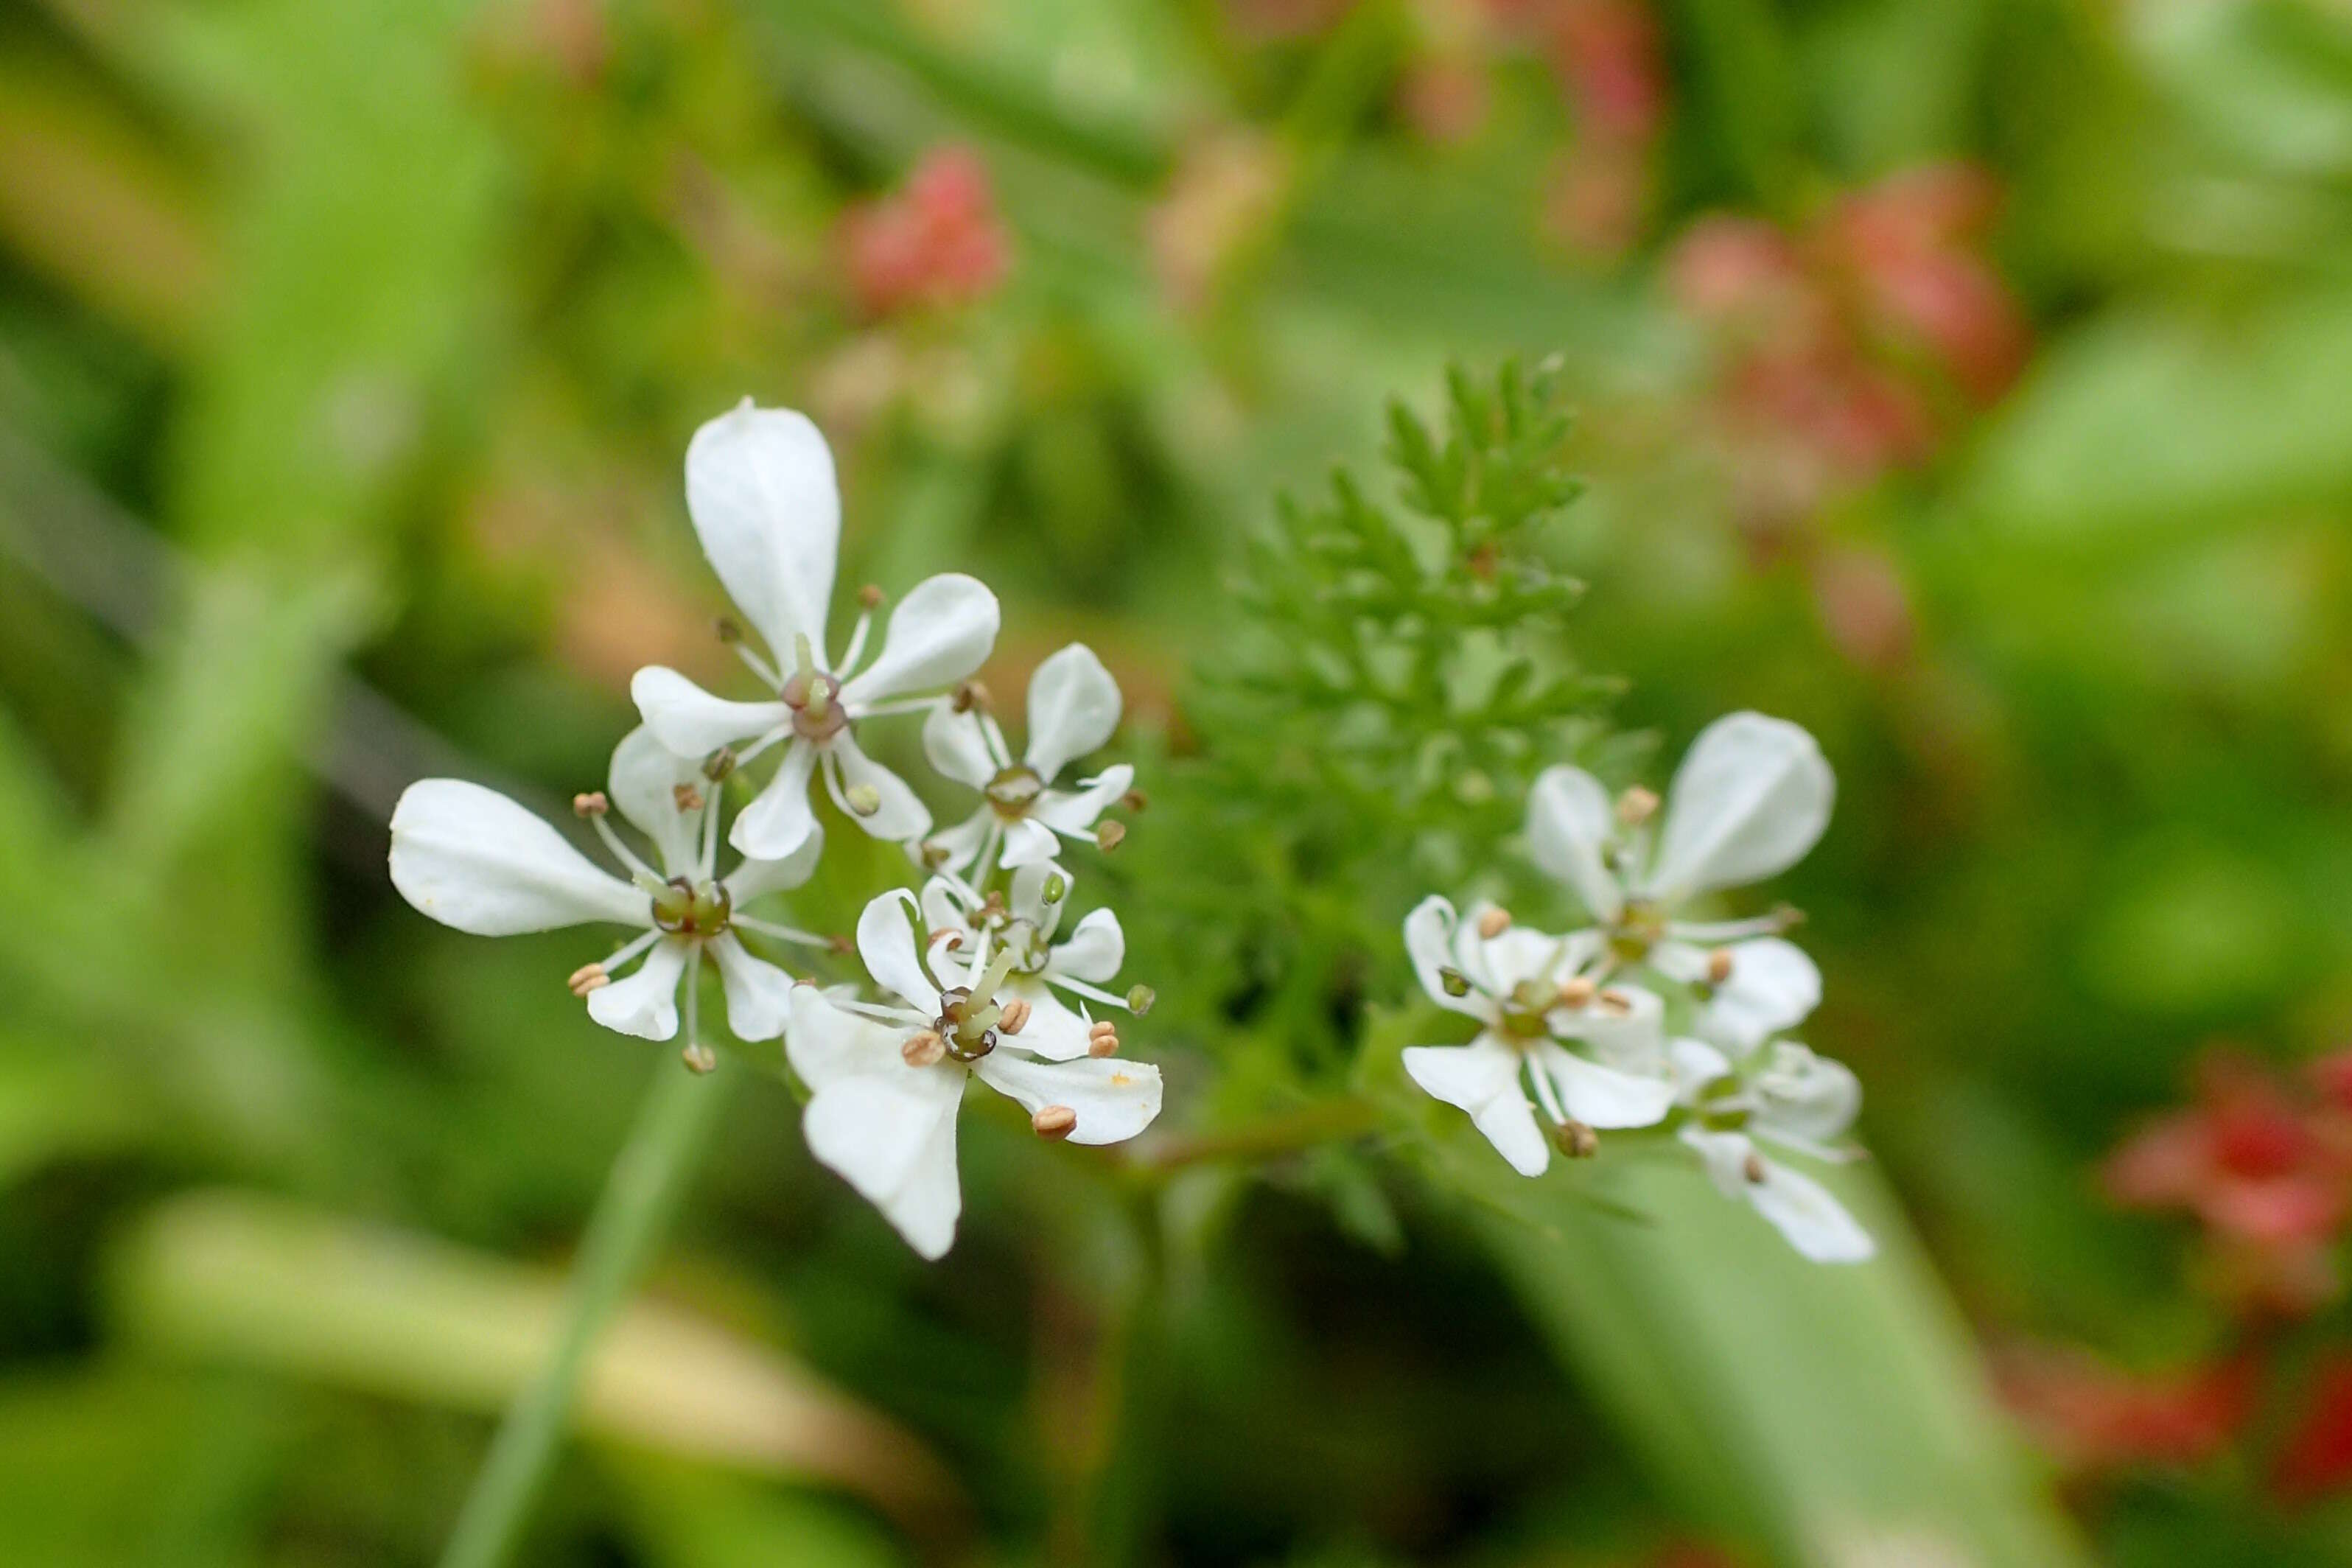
<point x="1582" y="1019"/>
<point x="472" y="858"/>
<point x="886" y="1080"/>
<point x="760" y="490"/>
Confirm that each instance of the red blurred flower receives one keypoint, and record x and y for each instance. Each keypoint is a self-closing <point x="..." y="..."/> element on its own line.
<point x="2317" y="1456"/>
<point x="2097" y="1417"/>
<point x="936" y="241"/>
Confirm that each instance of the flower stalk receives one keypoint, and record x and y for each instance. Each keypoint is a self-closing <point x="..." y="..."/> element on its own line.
<point x="641" y="1197"/>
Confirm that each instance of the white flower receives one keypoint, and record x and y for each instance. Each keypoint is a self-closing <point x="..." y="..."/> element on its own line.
<point x="472" y="858"/>
<point x="964" y="927"/>
<point x="1073" y="708"/>
<point x="1787" y="1096"/>
<point x="885" y="1081"/>
<point x="760" y="486"/>
<point x="1752" y="795"/>
<point x="1528" y="992"/>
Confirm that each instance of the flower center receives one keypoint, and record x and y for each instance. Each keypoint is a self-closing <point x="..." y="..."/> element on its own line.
<point x="1640" y="928"/>
<point x="690" y="909"/>
<point x="968" y="1014"/>
<point x="1524" y="1007"/>
<point x="1013" y="791"/>
<point x="814" y="698"/>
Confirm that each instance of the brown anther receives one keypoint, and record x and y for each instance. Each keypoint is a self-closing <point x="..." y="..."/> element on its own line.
<point x="840" y="946"/>
<point x="591" y="803"/>
<point x="870" y="597"/>
<point x="1718" y="966"/>
<point x="947" y="937"/>
<point x="729" y="628"/>
<point x="1752" y="1168"/>
<point x="1577" y="1140"/>
<point x="934" y="855"/>
<point x="971" y="694"/>
<point x="688" y="798"/>
<point x="698" y="1057"/>
<point x="1575" y="991"/>
<point x="923" y="1049"/>
<point x="1016" y="1013"/>
<point x="1493" y="923"/>
<point x="588" y="977"/>
<point x="1636" y="806"/>
<point x="1109" y="835"/>
<point x="1615" y="1002"/>
<point x="1788" y="917"/>
<point x="1055" y="1121"/>
<point x="1102" y="1040"/>
<point x="1135" y="800"/>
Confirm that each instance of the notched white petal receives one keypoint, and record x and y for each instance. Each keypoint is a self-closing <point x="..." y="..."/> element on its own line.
<point x="1482" y="1078"/>
<point x="1073" y="707"/>
<point x="779" y="823"/>
<point x="1095" y="951"/>
<point x="690" y="721"/>
<point x="752" y="878"/>
<point x="1569" y="821"/>
<point x="645" y="1003"/>
<point x="894" y="1139"/>
<point x="957" y="747"/>
<point x="900" y="812"/>
<point x="1115" y="1098"/>
<point x="886" y="942"/>
<point x="471" y="859"/>
<point x="939" y="634"/>
<point x="1605" y="1097"/>
<point x="643" y="783"/>
<point x="759" y="995"/>
<point x="1753" y="794"/>
<point x="1429" y="942"/>
<point x="760" y="488"/>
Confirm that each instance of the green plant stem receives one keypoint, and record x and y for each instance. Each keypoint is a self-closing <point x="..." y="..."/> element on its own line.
<point x="640" y="1195"/>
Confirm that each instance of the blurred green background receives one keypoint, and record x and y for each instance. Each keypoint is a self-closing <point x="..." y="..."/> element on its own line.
<point x="1969" y="380"/>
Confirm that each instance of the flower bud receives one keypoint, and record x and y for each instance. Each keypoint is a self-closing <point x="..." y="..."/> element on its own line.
<point x="591" y="803"/>
<point x="923" y="1049"/>
<point x="1109" y="835"/>
<point x="698" y="1057"/>
<point x="1055" y="1121"/>
<point x="1016" y="1013"/>
<point x="1139" y="999"/>
<point x="1056" y="889"/>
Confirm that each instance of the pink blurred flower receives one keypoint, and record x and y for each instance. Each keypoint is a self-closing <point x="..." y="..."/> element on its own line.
<point x="937" y="241"/>
<point x="2097" y="1417"/>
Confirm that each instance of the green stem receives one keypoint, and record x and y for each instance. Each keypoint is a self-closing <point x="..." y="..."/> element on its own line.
<point x="641" y="1195"/>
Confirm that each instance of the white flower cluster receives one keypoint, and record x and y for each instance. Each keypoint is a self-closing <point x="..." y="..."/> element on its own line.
<point x="1647" y="1018"/>
<point x="976" y="992"/>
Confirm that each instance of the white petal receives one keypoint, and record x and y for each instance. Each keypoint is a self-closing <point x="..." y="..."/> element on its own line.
<point x="940" y="632"/>
<point x="1115" y="1098"/>
<point x="751" y="878"/>
<point x="826" y="1043"/>
<point x="760" y="488"/>
<point x="1075" y="813"/>
<point x="1633" y="1039"/>
<point x="886" y="941"/>
<point x="956" y="845"/>
<point x="893" y="1139"/>
<point x="1073" y="709"/>
<point x="1482" y="1078"/>
<point x="643" y="784"/>
<point x="692" y="722"/>
<point x="1499" y="962"/>
<point x="778" y="822"/>
<point x="1801" y="1208"/>
<point x="1752" y="795"/>
<point x="957" y="746"/>
<point x="1028" y="843"/>
<point x="1096" y="949"/>
<point x="645" y="1003"/>
<point x="471" y="859"/>
<point x="1773" y="986"/>
<point x="1605" y="1097"/>
<point x="1054" y="1031"/>
<point x="1804" y="1096"/>
<point x="1570" y="822"/>
<point x="759" y="995"/>
<point x="902" y="815"/>
<point x="1429" y="941"/>
<point x="942" y="910"/>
